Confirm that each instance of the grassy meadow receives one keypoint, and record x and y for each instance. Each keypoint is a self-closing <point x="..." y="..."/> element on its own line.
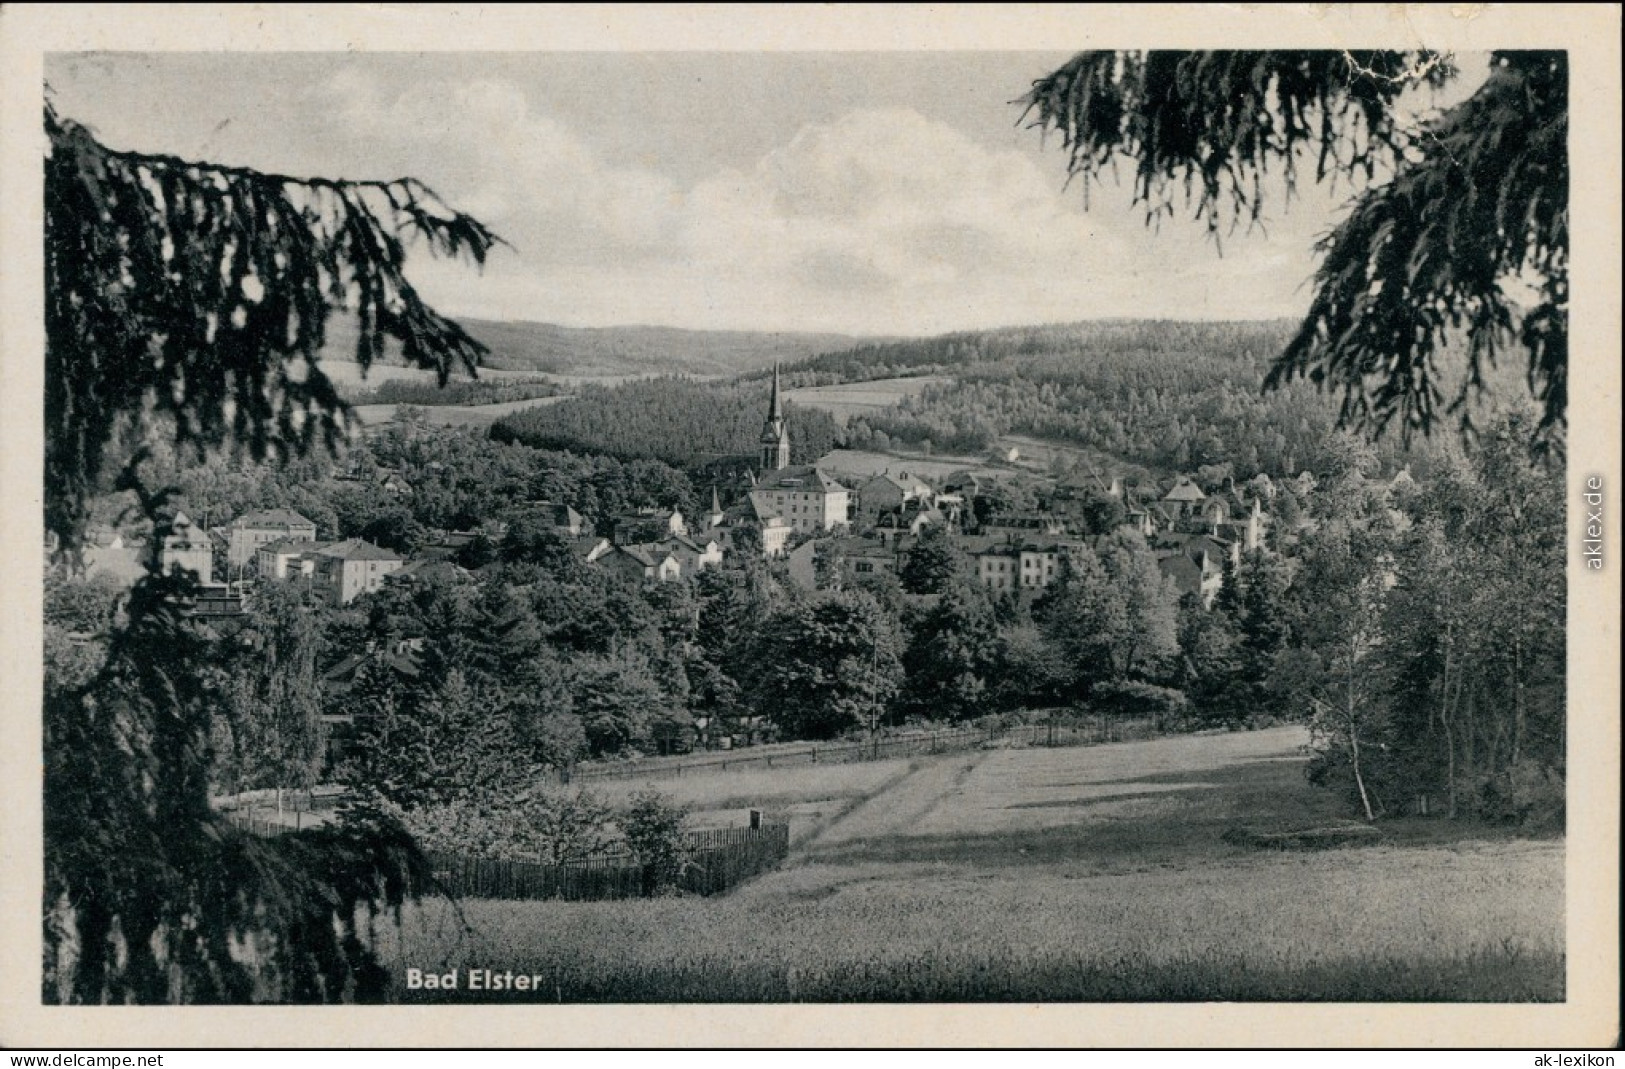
<point x="454" y="415"/>
<point x="1078" y="874"/>
<point x="849" y="399"/>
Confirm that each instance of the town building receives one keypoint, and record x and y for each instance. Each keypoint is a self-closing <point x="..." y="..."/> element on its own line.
<point x="1007" y="563"/>
<point x="187" y="548"/>
<point x="1184" y="499"/>
<point x="844" y="558"/>
<point x="647" y="562"/>
<point x="346" y="570"/>
<point x="694" y="555"/>
<point x="566" y="521"/>
<point x="883" y="493"/>
<point x="247" y="533"/>
<point x="807" y="499"/>
<point x="785" y="499"/>
<point x="1195" y="562"/>
<point x="648" y="525"/>
<point x="285" y="558"/>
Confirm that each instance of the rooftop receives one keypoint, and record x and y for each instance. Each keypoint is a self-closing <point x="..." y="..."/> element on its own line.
<point x="799" y="477"/>
<point x="272" y="518"/>
<point x="355" y="549"/>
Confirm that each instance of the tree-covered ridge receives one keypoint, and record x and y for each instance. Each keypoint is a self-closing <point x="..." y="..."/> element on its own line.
<point x="548" y="348"/>
<point x="1164" y="412"/>
<point x="1243" y="340"/>
<point x="456" y="392"/>
<point x="680" y="421"/>
<point x="1460" y="229"/>
<point x="455" y="479"/>
<point x="1164" y="395"/>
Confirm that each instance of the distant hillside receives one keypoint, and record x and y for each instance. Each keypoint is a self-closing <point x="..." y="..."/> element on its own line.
<point x="682" y="422"/>
<point x="1252" y="342"/>
<point x="556" y="350"/>
<point x="1164" y="395"/>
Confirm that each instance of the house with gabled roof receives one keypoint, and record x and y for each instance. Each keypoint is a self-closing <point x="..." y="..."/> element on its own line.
<point x="346" y="570"/>
<point x="248" y="532"/>
<point x="807" y="499"/>
<point x="648" y="525"/>
<point x="1184" y="498"/>
<point x="648" y="562"/>
<point x="694" y="554"/>
<point x="280" y="559"/>
<point x="1195" y="562"/>
<point x="187" y="548"/>
<point x="590" y="548"/>
<point x="886" y="492"/>
<point x="566" y="521"/>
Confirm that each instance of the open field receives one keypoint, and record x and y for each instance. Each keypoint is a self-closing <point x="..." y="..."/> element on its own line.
<point x="862" y="462"/>
<point x="1087" y="874"/>
<point x="808" y="796"/>
<point x="347" y="376"/>
<point x="454" y="415"/>
<point x="850" y="399"/>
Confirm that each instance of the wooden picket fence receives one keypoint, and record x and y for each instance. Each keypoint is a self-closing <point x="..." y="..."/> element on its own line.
<point x="1065" y="731"/>
<point x="260" y="826"/>
<point x="714" y="861"/>
<point x="787" y="756"/>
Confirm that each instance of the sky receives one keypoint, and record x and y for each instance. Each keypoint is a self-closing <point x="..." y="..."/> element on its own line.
<point x="860" y="193"/>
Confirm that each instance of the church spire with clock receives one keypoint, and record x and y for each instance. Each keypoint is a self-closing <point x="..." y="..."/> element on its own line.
<point x="775" y="440"/>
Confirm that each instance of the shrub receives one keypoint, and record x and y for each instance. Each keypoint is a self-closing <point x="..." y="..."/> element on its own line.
<point x="548" y="826"/>
<point x="653" y="827"/>
<point x="1526" y="794"/>
<point x="1135" y="699"/>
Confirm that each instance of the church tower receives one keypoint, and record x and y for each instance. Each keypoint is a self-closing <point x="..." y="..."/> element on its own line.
<point x="775" y="439"/>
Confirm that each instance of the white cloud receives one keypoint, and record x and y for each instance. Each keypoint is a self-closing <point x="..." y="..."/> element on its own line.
<point x="880" y="221"/>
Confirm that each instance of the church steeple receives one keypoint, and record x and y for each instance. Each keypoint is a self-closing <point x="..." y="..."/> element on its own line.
<point x="775" y="439"/>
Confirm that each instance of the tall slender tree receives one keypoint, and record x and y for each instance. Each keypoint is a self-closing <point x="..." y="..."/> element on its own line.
<point x="190" y="299"/>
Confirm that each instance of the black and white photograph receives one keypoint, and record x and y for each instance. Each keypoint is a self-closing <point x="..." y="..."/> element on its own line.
<point x="1064" y="524"/>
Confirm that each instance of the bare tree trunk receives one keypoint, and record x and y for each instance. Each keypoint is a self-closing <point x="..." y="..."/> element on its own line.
<point x="1470" y="739"/>
<point x="1354" y="735"/>
<point x="1450" y="757"/>
<point x="1517" y="701"/>
<point x="1441" y="712"/>
<point x="1359" y="780"/>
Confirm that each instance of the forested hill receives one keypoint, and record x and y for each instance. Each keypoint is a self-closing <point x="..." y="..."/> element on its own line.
<point x="556" y="350"/>
<point x="679" y="421"/>
<point x="1251" y="344"/>
<point x="1169" y="396"/>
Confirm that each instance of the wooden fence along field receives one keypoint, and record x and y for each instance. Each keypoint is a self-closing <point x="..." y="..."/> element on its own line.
<point x="714" y="861"/>
<point x="1087" y="731"/>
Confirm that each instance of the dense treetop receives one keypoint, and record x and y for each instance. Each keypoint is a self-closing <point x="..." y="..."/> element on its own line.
<point x="1458" y="212"/>
<point x="201" y="293"/>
